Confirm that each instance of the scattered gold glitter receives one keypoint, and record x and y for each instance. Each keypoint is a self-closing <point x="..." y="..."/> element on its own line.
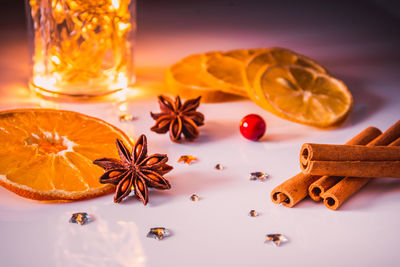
<point x="253" y="213"/>
<point x="158" y="233"/>
<point x="188" y="159"/>
<point x="258" y="176"/>
<point x="126" y="117"/>
<point x="275" y="239"/>
<point x="219" y="167"/>
<point x="80" y="218"/>
<point x="194" y="198"/>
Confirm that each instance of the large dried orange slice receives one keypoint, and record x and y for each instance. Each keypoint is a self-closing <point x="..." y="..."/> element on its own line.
<point x="48" y="154"/>
<point x="303" y="95"/>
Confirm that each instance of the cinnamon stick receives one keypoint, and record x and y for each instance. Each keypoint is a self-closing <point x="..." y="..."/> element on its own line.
<point x="348" y="186"/>
<point x="292" y="191"/>
<point x="350" y="160"/>
<point x="319" y="187"/>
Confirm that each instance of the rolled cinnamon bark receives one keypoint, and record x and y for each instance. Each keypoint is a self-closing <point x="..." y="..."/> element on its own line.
<point x="362" y="169"/>
<point x="321" y="152"/>
<point x="292" y="191"/>
<point x="319" y="187"/>
<point x="350" y="160"/>
<point x="348" y="186"/>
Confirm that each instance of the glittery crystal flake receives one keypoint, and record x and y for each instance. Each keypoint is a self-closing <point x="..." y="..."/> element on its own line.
<point x="258" y="176"/>
<point x="158" y="233"/>
<point x="127" y="117"/>
<point x="188" y="159"/>
<point x="219" y="167"/>
<point x="194" y="198"/>
<point x="80" y="218"/>
<point x="275" y="239"/>
<point x="253" y="213"/>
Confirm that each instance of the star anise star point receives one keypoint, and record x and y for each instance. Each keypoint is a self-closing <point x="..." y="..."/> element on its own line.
<point x="134" y="170"/>
<point x="178" y="118"/>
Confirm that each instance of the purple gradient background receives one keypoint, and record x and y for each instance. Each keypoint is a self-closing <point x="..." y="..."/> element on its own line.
<point x="358" y="41"/>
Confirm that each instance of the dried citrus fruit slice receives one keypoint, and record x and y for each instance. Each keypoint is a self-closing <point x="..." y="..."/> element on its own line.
<point x="226" y="72"/>
<point x="217" y="76"/>
<point x="48" y="154"/>
<point x="303" y="95"/>
<point x="186" y="79"/>
<point x="263" y="59"/>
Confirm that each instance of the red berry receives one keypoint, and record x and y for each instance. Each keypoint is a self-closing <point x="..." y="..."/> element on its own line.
<point x="253" y="127"/>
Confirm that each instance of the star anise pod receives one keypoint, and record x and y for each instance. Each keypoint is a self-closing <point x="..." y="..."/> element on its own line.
<point x="134" y="170"/>
<point x="177" y="118"/>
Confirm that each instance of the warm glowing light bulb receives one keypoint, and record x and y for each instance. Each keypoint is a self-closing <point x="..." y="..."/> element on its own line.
<point x="55" y="59"/>
<point x="59" y="7"/>
<point x="38" y="68"/>
<point x="115" y="4"/>
<point x="123" y="26"/>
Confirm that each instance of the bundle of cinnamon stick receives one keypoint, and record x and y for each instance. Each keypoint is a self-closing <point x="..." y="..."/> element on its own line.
<point x="333" y="173"/>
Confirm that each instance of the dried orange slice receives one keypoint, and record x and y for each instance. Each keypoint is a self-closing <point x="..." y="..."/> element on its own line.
<point x="265" y="58"/>
<point x="187" y="79"/>
<point x="47" y="154"/>
<point x="234" y="71"/>
<point x="303" y="95"/>
<point x="279" y="80"/>
<point x="226" y="70"/>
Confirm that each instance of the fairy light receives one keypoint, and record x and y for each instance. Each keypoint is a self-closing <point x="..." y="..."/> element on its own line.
<point x="59" y="7"/>
<point x="55" y="59"/>
<point x="123" y="26"/>
<point x="115" y="4"/>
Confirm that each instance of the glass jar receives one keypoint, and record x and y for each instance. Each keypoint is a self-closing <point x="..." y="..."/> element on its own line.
<point x="81" y="48"/>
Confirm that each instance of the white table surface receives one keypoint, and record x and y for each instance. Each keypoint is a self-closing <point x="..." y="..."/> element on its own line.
<point x="358" y="43"/>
